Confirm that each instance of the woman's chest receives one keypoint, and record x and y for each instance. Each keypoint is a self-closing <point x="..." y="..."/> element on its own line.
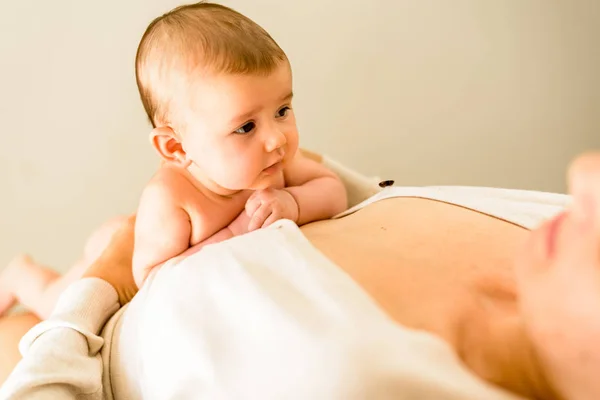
<point x="426" y="263"/>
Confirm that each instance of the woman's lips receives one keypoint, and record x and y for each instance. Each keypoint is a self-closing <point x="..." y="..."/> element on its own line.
<point x="552" y="234"/>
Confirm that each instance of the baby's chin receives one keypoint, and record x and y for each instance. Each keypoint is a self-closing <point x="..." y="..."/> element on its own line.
<point x="267" y="182"/>
<point x="229" y="188"/>
<point x="261" y="182"/>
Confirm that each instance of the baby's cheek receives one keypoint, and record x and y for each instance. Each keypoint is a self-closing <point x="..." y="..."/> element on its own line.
<point x="241" y="177"/>
<point x="292" y="142"/>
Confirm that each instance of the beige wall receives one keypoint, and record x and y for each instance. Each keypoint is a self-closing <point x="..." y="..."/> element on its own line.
<point x="497" y="93"/>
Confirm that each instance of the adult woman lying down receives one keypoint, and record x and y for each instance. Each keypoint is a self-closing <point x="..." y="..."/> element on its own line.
<point x="428" y="293"/>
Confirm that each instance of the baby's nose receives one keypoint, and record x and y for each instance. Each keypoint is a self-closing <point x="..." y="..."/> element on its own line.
<point x="275" y="140"/>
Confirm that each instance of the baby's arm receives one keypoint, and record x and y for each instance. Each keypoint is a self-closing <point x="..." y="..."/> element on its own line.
<point x="319" y="192"/>
<point x="237" y="227"/>
<point x="162" y="230"/>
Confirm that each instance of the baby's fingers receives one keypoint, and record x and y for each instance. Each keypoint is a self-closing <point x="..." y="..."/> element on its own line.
<point x="259" y="217"/>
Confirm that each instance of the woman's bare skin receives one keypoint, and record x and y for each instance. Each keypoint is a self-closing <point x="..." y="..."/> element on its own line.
<point x="443" y="269"/>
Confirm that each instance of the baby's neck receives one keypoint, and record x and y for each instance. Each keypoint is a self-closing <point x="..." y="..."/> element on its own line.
<point x="209" y="188"/>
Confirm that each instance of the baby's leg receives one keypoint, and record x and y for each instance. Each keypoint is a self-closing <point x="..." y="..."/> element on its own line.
<point x="22" y="278"/>
<point x="38" y="287"/>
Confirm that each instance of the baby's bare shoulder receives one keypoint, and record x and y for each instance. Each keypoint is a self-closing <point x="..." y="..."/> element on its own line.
<point x="171" y="185"/>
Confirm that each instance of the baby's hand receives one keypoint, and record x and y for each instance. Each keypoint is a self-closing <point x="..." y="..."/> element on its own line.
<point x="269" y="205"/>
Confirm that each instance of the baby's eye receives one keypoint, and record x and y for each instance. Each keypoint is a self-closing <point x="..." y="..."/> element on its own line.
<point x="244" y="130"/>
<point x="283" y="111"/>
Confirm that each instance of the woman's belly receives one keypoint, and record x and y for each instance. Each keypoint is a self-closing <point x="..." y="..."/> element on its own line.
<point x="437" y="267"/>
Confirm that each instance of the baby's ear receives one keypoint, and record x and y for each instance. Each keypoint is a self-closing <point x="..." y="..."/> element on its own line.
<point x="168" y="146"/>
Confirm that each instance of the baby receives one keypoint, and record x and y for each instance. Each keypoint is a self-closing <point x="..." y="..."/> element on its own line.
<point x="218" y="92"/>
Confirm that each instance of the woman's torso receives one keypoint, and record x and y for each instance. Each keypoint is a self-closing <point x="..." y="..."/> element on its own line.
<point x="440" y="268"/>
<point x="417" y="257"/>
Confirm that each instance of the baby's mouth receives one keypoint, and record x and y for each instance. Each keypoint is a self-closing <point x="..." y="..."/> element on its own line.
<point x="274" y="167"/>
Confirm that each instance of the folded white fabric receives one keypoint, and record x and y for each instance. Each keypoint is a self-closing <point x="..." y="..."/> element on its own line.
<point x="359" y="187"/>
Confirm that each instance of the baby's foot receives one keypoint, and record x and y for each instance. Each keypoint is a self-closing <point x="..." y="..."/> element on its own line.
<point x="559" y="285"/>
<point x="8" y="279"/>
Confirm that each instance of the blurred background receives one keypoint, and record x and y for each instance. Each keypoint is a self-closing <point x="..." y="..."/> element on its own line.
<point x="429" y="92"/>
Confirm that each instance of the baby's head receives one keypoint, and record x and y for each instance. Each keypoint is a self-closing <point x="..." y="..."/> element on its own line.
<point x="218" y="91"/>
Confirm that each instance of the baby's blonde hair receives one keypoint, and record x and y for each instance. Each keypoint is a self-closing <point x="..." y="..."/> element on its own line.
<point x="203" y="37"/>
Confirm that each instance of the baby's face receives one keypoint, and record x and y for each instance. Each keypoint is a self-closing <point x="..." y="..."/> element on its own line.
<point x="240" y="129"/>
